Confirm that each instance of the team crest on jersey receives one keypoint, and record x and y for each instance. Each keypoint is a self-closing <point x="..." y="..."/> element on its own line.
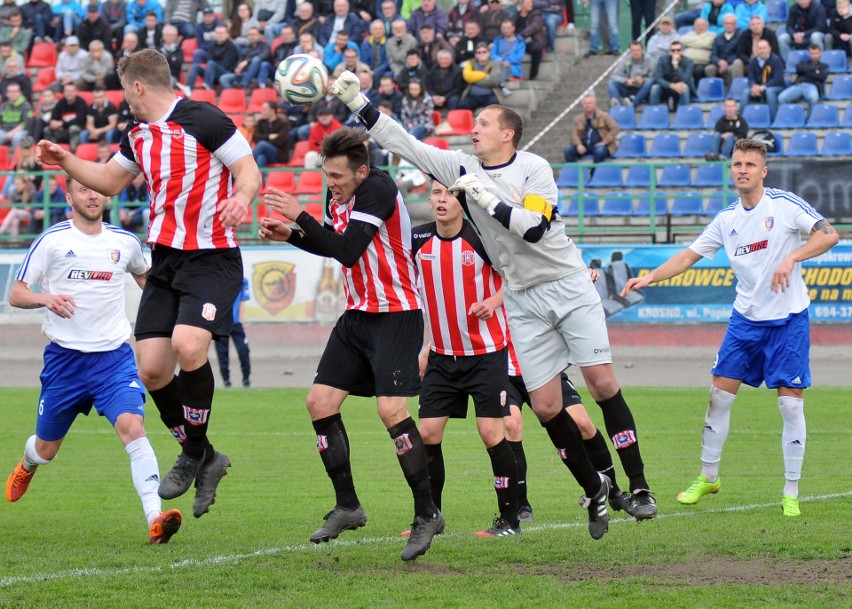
<point x="274" y="285"/>
<point x="562" y="452"/>
<point x="403" y="444"/>
<point x="208" y="311"/>
<point x="179" y="433"/>
<point x="115" y="256"/>
<point x="503" y="398"/>
<point x="322" y="443"/>
<point x="768" y="223"/>
<point x="624" y="439"/>
<point x="468" y="258"/>
<point x="501" y="482"/>
<point x="195" y="416"/>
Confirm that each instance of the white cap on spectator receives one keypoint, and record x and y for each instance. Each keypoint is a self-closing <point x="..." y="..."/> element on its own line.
<point x="72" y="40"/>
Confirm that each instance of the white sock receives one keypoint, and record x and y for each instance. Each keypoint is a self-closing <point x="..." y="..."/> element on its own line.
<point x="146" y="476"/>
<point x="792" y="440"/>
<point x="31" y="458"/>
<point x="717" y="422"/>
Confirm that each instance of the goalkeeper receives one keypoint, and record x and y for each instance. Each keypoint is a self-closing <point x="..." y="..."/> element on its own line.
<point x="555" y="313"/>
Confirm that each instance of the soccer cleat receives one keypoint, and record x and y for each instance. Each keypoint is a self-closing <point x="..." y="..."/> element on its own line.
<point x="642" y="505"/>
<point x="619" y="501"/>
<point x="698" y="489"/>
<point x="790" y="506"/>
<point x="18" y="482"/>
<point x="422" y="532"/>
<point x="338" y="520"/>
<point x="598" y="517"/>
<point x="164" y="526"/>
<point x="206" y="482"/>
<point x="500" y="528"/>
<point x="525" y="513"/>
<point x="180" y="476"/>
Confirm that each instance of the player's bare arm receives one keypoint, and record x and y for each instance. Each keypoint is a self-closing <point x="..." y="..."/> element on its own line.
<point x="823" y="238"/>
<point x="247" y="183"/>
<point x="141" y="278"/>
<point x="273" y="230"/>
<point x="22" y="297"/>
<point x="484" y="309"/>
<point x="108" y="179"/>
<point x="672" y="267"/>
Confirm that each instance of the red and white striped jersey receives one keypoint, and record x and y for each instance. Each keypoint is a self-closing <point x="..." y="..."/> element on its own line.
<point x="384" y="280"/>
<point x="453" y="275"/>
<point x="185" y="157"/>
<point x="514" y="366"/>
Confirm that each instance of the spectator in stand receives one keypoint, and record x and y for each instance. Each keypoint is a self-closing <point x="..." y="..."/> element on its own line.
<point x="22" y="197"/>
<point x="810" y="80"/>
<point x="444" y="82"/>
<point x="399" y="45"/>
<point x="135" y="208"/>
<point x="16" y="115"/>
<point x="285" y="46"/>
<point x="715" y="12"/>
<point x="325" y="124"/>
<point x="222" y="58"/>
<point x="631" y="80"/>
<point x="58" y="210"/>
<point x="306" y="22"/>
<point x="125" y="117"/>
<point x="458" y="16"/>
<point x="611" y="8"/>
<point x="688" y="17"/>
<point x="101" y="120"/>
<point x="531" y="28"/>
<point x="6" y="53"/>
<point x="174" y="56"/>
<point x="37" y="17"/>
<point x="351" y="62"/>
<point x="698" y="47"/>
<point x="342" y="20"/>
<point x="373" y="51"/>
<point x="69" y="65"/>
<point x="492" y="14"/>
<point x="271" y="137"/>
<point x="254" y="66"/>
<point x="429" y="12"/>
<point x="248" y="127"/>
<point x="44" y="111"/>
<point x="659" y="44"/>
<point x="417" y="107"/>
<point x="508" y="48"/>
<point x="68" y="118"/>
<point x="806" y="25"/>
<point x="482" y="75"/>
<point x="388" y="13"/>
<point x="593" y="134"/>
<point x="387" y="93"/>
<point x="67" y="15"/>
<point x="115" y="13"/>
<point x="104" y="152"/>
<point x="333" y="53"/>
<point x="329" y="102"/>
<point x="414" y="69"/>
<point x="840" y="27"/>
<point x="151" y="34"/>
<point x="308" y="46"/>
<point x="129" y="45"/>
<point x="466" y="45"/>
<point x="552" y="13"/>
<point x="136" y="12"/>
<point x="270" y="16"/>
<point x="729" y="128"/>
<point x="97" y="66"/>
<point x="365" y="9"/>
<point x="15" y="34"/>
<point x="183" y="14"/>
<point x="765" y="79"/>
<point x="205" y="34"/>
<point x="673" y="79"/>
<point x="723" y="57"/>
<point x="430" y="45"/>
<point x="94" y="27"/>
<point x="747" y="45"/>
<point x="25" y="166"/>
<point x="240" y="24"/>
<point x="748" y="9"/>
<point x="639" y="10"/>
<point x="15" y="75"/>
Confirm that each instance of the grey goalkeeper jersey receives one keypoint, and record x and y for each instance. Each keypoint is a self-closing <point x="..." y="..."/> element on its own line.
<point x="521" y="183"/>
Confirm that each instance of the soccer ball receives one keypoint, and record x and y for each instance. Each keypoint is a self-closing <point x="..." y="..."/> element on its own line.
<point x="301" y="79"/>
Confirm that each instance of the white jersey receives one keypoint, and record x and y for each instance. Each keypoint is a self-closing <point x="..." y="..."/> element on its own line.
<point x="91" y="268"/>
<point x="756" y="241"/>
<point x="522" y="264"/>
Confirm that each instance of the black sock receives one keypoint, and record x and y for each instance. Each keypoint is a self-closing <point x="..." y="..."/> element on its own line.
<point x="505" y="470"/>
<point x="521" y="460"/>
<point x="598" y="452"/>
<point x="565" y="435"/>
<point x="333" y="447"/>
<point x="622" y="431"/>
<point x="412" y="460"/>
<point x="437" y="474"/>
<point x="168" y="403"/>
<point x="195" y="388"/>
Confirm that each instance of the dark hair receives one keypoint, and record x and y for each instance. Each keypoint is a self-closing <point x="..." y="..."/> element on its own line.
<point x="411" y="52"/>
<point x="814" y="46"/>
<point x="509" y="119"/>
<point x="348" y="142"/>
<point x="148" y="66"/>
<point x="751" y="146"/>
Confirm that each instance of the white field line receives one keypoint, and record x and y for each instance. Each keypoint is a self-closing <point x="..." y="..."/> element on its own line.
<point x="396" y="540"/>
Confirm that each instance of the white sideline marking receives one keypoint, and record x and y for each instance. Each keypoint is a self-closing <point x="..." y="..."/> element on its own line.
<point x="302" y="547"/>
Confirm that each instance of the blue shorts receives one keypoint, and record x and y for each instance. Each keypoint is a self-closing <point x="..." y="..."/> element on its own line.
<point x="775" y="354"/>
<point x="72" y="382"/>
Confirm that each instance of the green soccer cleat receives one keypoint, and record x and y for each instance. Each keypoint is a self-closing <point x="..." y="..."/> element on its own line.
<point x="698" y="489"/>
<point x="790" y="506"/>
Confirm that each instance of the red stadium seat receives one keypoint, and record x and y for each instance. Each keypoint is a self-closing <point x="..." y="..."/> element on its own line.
<point x="299" y="152"/>
<point x="461" y="122"/>
<point x="116" y="96"/>
<point x="203" y="95"/>
<point x="282" y="180"/>
<point x="87" y="151"/>
<point x="436" y="117"/>
<point x="232" y="101"/>
<point x="309" y="183"/>
<point x="258" y="96"/>
<point x="5" y="163"/>
<point x="87" y="97"/>
<point x="238" y="119"/>
<point x="44" y="78"/>
<point x="43" y="55"/>
<point x="188" y="45"/>
<point x="437" y="142"/>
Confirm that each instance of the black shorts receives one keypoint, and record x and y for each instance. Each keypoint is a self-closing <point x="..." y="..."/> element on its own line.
<point x="449" y="382"/>
<point x="517" y="395"/>
<point x="193" y="288"/>
<point x="373" y="354"/>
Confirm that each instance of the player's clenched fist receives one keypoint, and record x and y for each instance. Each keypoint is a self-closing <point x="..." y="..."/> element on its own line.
<point x="473" y="189"/>
<point x="347" y="89"/>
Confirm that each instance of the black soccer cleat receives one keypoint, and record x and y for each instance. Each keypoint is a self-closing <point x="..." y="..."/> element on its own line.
<point x="338" y="520"/>
<point x="207" y="481"/>
<point x="525" y="513"/>
<point x="643" y="506"/>
<point x="422" y="532"/>
<point x="180" y="476"/>
<point x="619" y="501"/>
<point x="598" y="516"/>
<point x="500" y="528"/>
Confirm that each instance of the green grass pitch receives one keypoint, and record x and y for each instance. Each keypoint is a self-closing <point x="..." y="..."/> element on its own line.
<point x="78" y="537"/>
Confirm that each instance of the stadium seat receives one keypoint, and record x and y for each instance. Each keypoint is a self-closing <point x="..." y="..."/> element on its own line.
<point x="571" y="205"/>
<point x="685" y="29"/>
<point x="675" y="175"/>
<point x="617" y="203"/>
<point x="665" y="145"/>
<point x="708" y="176"/>
<point x="567" y="206"/>
<point x="841" y="88"/>
<point x="836" y="61"/>
<point x="308" y="183"/>
<point x="258" y="96"/>
<point x="116" y="96"/>
<point x="232" y="101"/>
<point x="282" y="180"/>
<point x="688" y="117"/>
<point x="698" y="145"/>
<point x="824" y="116"/>
<point x="44" y="78"/>
<point x="847" y="117"/>
<point x="837" y="143"/>
<point x="738" y="85"/>
<point x="710" y="89"/>
<point x="606" y="176"/>
<point x="87" y="151"/>
<point x="715" y="203"/>
<point x="591" y="204"/>
<point x="460" y="121"/>
<point x="238" y="119"/>
<point x="436" y="117"/>
<point x="5" y="162"/>
<point x="789" y="116"/>
<point x="631" y="145"/>
<point x="802" y="144"/>
<point x="797" y="56"/>
<point x="654" y="117"/>
<point x="42" y="55"/>
<point x="204" y="95"/>
<point x="757" y="116"/>
<point x="569" y="177"/>
<point x="716" y="112"/>
<point x="638" y="176"/>
<point x="779" y="144"/>
<point x="618" y="274"/>
<point x="299" y="152"/>
<point x="688" y="203"/>
<point x="188" y="46"/>
<point x="624" y="116"/>
<point x="437" y="142"/>
<point x="776" y="11"/>
<point x="643" y="206"/>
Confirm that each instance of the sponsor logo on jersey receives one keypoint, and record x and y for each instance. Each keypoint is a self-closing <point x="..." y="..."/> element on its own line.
<point x="501" y="482"/>
<point x="562" y="452"/>
<point x="742" y="250"/>
<point x="322" y="443"/>
<point x="430" y="257"/>
<point x="624" y="439"/>
<point x="403" y="444"/>
<point x="274" y="285"/>
<point x="89" y="275"/>
<point x="422" y="235"/>
<point x="503" y="398"/>
<point x="179" y="433"/>
<point x="70" y="254"/>
<point x="768" y="223"/>
<point x="208" y="311"/>
<point x="468" y="258"/>
<point x="115" y="256"/>
<point x="195" y="416"/>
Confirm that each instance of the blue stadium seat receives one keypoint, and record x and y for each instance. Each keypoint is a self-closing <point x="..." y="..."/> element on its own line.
<point x="569" y="177"/>
<point x="665" y="145"/>
<point x="643" y="206"/>
<point x="757" y="116"/>
<point x="797" y="56"/>
<point x="841" y="88"/>
<point x="688" y="117"/>
<point x="654" y="117"/>
<point x="776" y="11"/>
<point x="847" y="117"/>
<point x="567" y="206"/>
<point x="624" y="116"/>
<point x="698" y="144"/>
<point x="715" y="203"/>
<point x="685" y="29"/>
<point x="716" y="112"/>
<point x="638" y="176"/>
<point x="591" y="204"/>
<point x="837" y="143"/>
<point x="708" y="176"/>
<point x="738" y="85"/>
<point x="789" y="116"/>
<point x="631" y="145"/>
<point x="606" y="176"/>
<point x="688" y="204"/>
<point x="710" y="90"/>
<point x="779" y="144"/>
<point x="675" y="175"/>
<point x="836" y="61"/>
<point x="802" y="143"/>
<point x="823" y="116"/>
<point x="617" y="203"/>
